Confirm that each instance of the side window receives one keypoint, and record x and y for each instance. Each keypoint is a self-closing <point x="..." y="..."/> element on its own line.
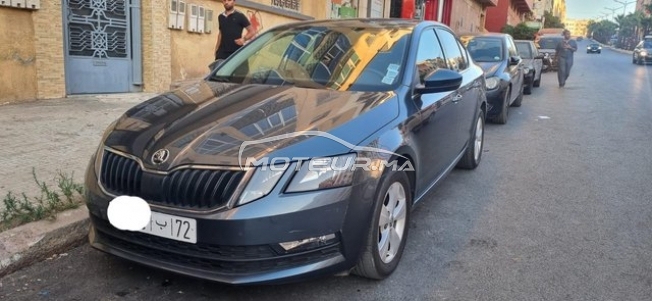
<point x="512" y="47"/>
<point x="456" y="60"/>
<point x="429" y="55"/>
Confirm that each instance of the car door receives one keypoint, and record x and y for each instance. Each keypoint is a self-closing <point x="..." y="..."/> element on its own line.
<point x="538" y="61"/>
<point x="464" y="99"/>
<point x="637" y="50"/>
<point x="434" y="129"/>
<point x="515" y="71"/>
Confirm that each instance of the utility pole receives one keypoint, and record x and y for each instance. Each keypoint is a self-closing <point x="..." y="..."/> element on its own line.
<point x="613" y="12"/>
<point x="624" y="3"/>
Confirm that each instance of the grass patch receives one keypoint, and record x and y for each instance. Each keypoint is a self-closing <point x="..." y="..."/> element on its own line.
<point x="21" y="209"/>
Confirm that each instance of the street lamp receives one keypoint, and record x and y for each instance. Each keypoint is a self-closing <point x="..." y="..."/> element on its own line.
<point x="613" y="12"/>
<point x="624" y="3"/>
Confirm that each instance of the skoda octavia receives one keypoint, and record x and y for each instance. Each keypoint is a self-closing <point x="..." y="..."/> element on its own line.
<point x="300" y="156"/>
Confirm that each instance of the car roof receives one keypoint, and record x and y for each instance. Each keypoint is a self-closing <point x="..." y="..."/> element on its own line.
<point x="360" y="23"/>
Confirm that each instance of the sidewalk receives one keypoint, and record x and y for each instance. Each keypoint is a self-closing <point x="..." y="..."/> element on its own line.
<point x="50" y="136"/>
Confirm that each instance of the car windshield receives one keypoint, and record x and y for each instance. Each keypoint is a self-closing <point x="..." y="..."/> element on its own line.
<point x="595" y="45"/>
<point x="549" y="43"/>
<point x="524" y="50"/>
<point x="647" y="44"/>
<point x="335" y="57"/>
<point x="486" y="49"/>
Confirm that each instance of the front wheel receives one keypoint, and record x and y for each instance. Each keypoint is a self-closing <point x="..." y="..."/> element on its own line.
<point x="473" y="153"/>
<point x="389" y="227"/>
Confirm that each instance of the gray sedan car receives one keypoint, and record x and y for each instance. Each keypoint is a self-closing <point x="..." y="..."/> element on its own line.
<point x="533" y="64"/>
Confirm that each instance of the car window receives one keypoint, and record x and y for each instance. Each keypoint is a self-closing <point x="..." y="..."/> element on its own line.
<point x="430" y="56"/>
<point x="452" y="50"/>
<point x="525" y="50"/>
<point x="322" y="57"/>
<point x="511" y="47"/>
<point x="549" y="42"/>
<point x="484" y="49"/>
<point x="647" y="44"/>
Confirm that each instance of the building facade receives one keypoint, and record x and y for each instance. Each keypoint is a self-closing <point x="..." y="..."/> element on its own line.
<point x="52" y="49"/>
<point x="642" y="4"/>
<point x="578" y="28"/>
<point x="507" y="12"/>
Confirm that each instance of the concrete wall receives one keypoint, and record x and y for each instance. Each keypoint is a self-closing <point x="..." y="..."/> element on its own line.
<point x="190" y="53"/>
<point x="466" y="16"/>
<point x="17" y="56"/>
<point x="31" y="53"/>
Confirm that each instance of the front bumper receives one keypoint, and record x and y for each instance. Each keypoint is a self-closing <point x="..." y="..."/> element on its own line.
<point x="495" y="100"/>
<point x="593" y="50"/>
<point x="241" y="245"/>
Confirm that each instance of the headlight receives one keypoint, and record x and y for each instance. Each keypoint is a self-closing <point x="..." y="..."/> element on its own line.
<point x="526" y="70"/>
<point x="492" y="83"/>
<point x="261" y="183"/>
<point x="643" y="53"/>
<point x="323" y="173"/>
<point x="588" y="47"/>
<point x="599" y="47"/>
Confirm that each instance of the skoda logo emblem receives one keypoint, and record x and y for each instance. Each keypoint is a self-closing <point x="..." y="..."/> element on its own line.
<point x="160" y="156"/>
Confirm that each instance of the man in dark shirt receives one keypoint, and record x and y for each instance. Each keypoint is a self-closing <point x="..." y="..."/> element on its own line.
<point x="231" y="23"/>
<point x="565" y="51"/>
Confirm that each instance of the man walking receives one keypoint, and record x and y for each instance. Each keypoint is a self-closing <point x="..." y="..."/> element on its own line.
<point x="565" y="50"/>
<point x="231" y="23"/>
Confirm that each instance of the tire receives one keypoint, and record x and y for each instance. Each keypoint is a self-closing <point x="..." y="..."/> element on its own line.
<point x="537" y="83"/>
<point x="502" y="117"/>
<point x="527" y="90"/>
<point x="473" y="154"/>
<point x="517" y="102"/>
<point x="633" y="60"/>
<point x="371" y="264"/>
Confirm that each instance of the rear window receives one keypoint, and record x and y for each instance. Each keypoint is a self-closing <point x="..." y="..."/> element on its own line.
<point x="549" y="43"/>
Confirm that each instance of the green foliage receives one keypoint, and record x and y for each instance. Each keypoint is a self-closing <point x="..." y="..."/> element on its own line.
<point x="22" y="209"/>
<point x="520" y="31"/>
<point x="552" y="21"/>
<point x="602" y="31"/>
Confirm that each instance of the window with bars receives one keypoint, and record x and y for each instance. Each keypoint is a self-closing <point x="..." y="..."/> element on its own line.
<point x="293" y="5"/>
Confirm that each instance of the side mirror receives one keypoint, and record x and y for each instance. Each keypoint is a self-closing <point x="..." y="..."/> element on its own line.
<point x="442" y="80"/>
<point x="214" y="65"/>
<point x="514" y="60"/>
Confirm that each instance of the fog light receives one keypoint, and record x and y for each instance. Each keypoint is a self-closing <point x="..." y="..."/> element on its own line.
<point x="308" y="243"/>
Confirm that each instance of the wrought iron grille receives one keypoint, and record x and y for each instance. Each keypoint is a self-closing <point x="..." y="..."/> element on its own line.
<point x="294" y="5"/>
<point x="97" y="28"/>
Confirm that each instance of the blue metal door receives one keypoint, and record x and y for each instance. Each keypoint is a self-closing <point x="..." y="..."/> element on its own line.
<point x="98" y="46"/>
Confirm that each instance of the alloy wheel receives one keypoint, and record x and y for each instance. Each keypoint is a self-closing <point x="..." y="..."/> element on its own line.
<point x="391" y="225"/>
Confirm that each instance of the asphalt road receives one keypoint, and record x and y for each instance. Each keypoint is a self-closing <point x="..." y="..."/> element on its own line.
<point x="559" y="209"/>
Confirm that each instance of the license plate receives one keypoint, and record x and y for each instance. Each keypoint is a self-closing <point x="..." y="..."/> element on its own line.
<point x="172" y="227"/>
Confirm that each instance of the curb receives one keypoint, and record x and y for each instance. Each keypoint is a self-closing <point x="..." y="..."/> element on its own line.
<point x="34" y="242"/>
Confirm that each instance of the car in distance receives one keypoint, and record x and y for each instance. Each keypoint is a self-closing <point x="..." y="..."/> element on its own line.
<point x="643" y="52"/>
<point x="498" y="56"/>
<point x="533" y="64"/>
<point x="342" y="126"/>
<point x="594" y="48"/>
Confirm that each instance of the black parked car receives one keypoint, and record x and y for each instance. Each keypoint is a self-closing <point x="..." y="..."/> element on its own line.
<point x="594" y="48"/>
<point x="643" y="52"/>
<point x="498" y="56"/>
<point x="533" y="64"/>
<point x="345" y="124"/>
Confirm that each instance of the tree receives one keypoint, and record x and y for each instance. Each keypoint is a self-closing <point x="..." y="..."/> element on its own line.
<point x="602" y="31"/>
<point x="520" y="31"/>
<point x="552" y="21"/>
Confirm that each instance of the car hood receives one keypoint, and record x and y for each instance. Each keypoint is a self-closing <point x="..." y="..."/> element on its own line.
<point x="490" y="68"/>
<point x="207" y="122"/>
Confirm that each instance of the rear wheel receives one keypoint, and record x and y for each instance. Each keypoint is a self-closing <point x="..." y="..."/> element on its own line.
<point x="502" y="116"/>
<point x="473" y="153"/>
<point x="389" y="227"/>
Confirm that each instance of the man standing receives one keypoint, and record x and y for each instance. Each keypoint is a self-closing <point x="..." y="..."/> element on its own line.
<point x="231" y="23"/>
<point x="565" y="50"/>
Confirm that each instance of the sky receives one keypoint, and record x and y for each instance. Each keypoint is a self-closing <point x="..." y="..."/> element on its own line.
<point x="593" y="9"/>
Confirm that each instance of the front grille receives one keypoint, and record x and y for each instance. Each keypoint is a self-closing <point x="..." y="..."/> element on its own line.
<point x="206" y="257"/>
<point x="197" y="189"/>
